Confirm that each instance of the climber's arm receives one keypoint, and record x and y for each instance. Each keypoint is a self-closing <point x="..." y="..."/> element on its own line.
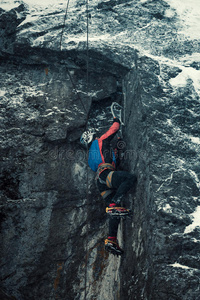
<point x="109" y="135"/>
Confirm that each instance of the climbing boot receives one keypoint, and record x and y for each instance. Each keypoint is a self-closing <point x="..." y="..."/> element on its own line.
<point x="113" y="247"/>
<point x="116" y="211"/>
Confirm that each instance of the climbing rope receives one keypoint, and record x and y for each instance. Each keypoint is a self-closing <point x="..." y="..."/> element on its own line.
<point x="60" y="46"/>
<point x="63" y="27"/>
<point x="87" y="89"/>
<point x="87" y="183"/>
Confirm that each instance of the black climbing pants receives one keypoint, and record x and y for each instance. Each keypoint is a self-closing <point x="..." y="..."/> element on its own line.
<point x="122" y="182"/>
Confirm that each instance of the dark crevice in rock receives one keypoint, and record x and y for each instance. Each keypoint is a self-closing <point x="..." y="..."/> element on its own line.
<point x="72" y="59"/>
<point x="9" y="183"/>
<point x="6" y="296"/>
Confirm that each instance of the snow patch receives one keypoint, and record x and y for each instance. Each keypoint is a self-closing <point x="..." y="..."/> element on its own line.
<point x="195" y="177"/>
<point x="167" y="208"/>
<point x="195" y="140"/>
<point x="177" y="265"/>
<point x="7" y="5"/>
<point x="169" y="13"/>
<point x="167" y="181"/>
<point x="194" y="115"/>
<point x="2" y="93"/>
<point x="169" y="122"/>
<point x="33" y="116"/>
<point x="187" y="73"/>
<point x="188" y="59"/>
<point x="179" y="80"/>
<point x="196" y="221"/>
<point x="44" y="3"/>
<point x="189" y="14"/>
<point x="79" y="171"/>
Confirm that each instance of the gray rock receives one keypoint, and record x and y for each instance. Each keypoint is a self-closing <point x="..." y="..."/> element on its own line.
<point x="53" y="221"/>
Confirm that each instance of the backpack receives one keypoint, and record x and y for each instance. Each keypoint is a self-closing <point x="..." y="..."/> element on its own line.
<point x="94" y="157"/>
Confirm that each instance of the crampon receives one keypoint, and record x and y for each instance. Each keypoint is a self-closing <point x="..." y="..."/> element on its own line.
<point x="113" y="247"/>
<point x="118" y="211"/>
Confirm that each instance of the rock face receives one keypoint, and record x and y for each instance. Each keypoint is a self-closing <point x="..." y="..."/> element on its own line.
<point x="52" y="87"/>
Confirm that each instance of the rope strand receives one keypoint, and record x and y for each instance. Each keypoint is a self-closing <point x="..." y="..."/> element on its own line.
<point x="70" y="77"/>
<point x="65" y="17"/>
<point x="87" y="184"/>
<point x="87" y="90"/>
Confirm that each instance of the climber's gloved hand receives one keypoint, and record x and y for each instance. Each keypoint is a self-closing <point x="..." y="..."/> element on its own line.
<point x="116" y="120"/>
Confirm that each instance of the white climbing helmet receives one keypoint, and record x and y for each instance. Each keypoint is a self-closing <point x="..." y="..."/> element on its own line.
<point x="86" y="137"/>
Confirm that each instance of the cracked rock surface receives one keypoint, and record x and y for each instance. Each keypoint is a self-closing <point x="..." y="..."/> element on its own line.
<point x="52" y="87"/>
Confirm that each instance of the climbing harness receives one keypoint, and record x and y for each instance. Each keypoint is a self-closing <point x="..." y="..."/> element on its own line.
<point x="109" y="179"/>
<point x="107" y="182"/>
<point x="104" y="166"/>
<point x="100" y="169"/>
<point x="106" y="193"/>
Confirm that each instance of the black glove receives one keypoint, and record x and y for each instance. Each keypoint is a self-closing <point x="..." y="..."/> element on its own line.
<point x="116" y="120"/>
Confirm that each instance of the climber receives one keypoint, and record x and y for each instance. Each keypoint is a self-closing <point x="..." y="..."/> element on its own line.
<point x="112" y="184"/>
